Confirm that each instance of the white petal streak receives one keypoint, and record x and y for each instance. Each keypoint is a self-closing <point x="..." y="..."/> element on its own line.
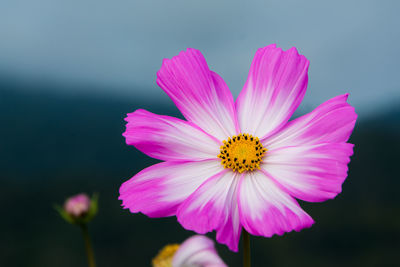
<point x="265" y="209"/>
<point x="312" y="173"/>
<point x="331" y="122"/>
<point x="169" y="138"/>
<point x="200" y="94"/>
<point x="275" y="87"/>
<point x="157" y="191"/>
<point x="213" y="206"/>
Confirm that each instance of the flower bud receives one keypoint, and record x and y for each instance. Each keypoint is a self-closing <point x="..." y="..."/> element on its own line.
<point x="77" y="205"/>
<point x="78" y="209"/>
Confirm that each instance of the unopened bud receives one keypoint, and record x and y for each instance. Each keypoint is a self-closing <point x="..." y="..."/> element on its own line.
<point x="79" y="209"/>
<point x="78" y="205"/>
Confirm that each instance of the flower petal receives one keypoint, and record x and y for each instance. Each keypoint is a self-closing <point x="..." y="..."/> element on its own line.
<point x="274" y="89"/>
<point x="213" y="206"/>
<point x="331" y="122"/>
<point x="158" y="190"/>
<point x="168" y="138"/>
<point x="197" y="251"/>
<point x="200" y="94"/>
<point x="265" y="209"/>
<point x="311" y="173"/>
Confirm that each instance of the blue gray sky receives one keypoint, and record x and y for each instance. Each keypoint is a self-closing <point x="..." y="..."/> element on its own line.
<point x="118" y="46"/>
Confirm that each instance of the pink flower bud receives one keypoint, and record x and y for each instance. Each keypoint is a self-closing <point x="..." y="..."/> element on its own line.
<point x="77" y="205"/>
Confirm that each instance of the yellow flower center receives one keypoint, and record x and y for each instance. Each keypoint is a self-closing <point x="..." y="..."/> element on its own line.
<point x="241" y="153"/>
<point x="165" y="256"/>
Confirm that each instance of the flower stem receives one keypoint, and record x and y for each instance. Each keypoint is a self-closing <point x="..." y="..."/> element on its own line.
<point x="246" y="249"/>
<point x="88" y="245"/>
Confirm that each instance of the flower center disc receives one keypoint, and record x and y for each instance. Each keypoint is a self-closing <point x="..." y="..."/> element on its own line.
<point x="241" y="153"/>
<point x="165" y="256"/>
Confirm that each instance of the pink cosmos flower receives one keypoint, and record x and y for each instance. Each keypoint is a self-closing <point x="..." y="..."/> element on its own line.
<point x="196" y="251"/>
<point x="77" y="205"/>
<point x="235" y="164"/>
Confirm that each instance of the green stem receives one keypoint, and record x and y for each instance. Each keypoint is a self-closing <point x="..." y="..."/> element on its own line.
<point x="88" y="245"/>
<point x="246" y="249"/>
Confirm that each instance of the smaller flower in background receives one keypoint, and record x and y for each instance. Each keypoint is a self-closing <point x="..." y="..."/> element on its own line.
<point x="78" y="205"/>
<point x="165" y="256"/>
<point x="197" y="251"/>
<point x="79" y="209"/>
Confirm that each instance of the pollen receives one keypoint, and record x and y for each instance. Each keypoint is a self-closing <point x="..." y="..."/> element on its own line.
<point x="242" y="152"/>
<point x="165" y="256"/>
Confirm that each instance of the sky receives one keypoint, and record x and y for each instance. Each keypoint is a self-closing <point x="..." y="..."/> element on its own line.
<point x="118" y="46"/>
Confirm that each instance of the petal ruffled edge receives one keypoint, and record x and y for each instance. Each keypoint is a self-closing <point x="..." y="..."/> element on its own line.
<point x="169" y="138"/>
<point x="275" y="87"/>
<point x="200" y="94"/>
<point x="158" y="190"/>
<point x="311" y="173"/>
<point x="331" y="122"/>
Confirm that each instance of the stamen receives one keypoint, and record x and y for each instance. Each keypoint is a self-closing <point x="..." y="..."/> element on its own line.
<point x="241" y="153"/>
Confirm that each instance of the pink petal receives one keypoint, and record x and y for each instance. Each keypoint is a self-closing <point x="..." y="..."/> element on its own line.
<point x="331" y="122"/>
<point x="274" y="89"/>
<point x="197" y="251"/>
<point x="168" y="138"/>
<point x="265" y="209"/>
<point x="213" y="206"/>
<point x="311" y="173"/>
<point x="158" y="190"/>
<point x="200" y="94"/>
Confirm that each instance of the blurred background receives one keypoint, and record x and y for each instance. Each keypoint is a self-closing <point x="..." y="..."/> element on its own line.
<point x="71" y="70"/>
